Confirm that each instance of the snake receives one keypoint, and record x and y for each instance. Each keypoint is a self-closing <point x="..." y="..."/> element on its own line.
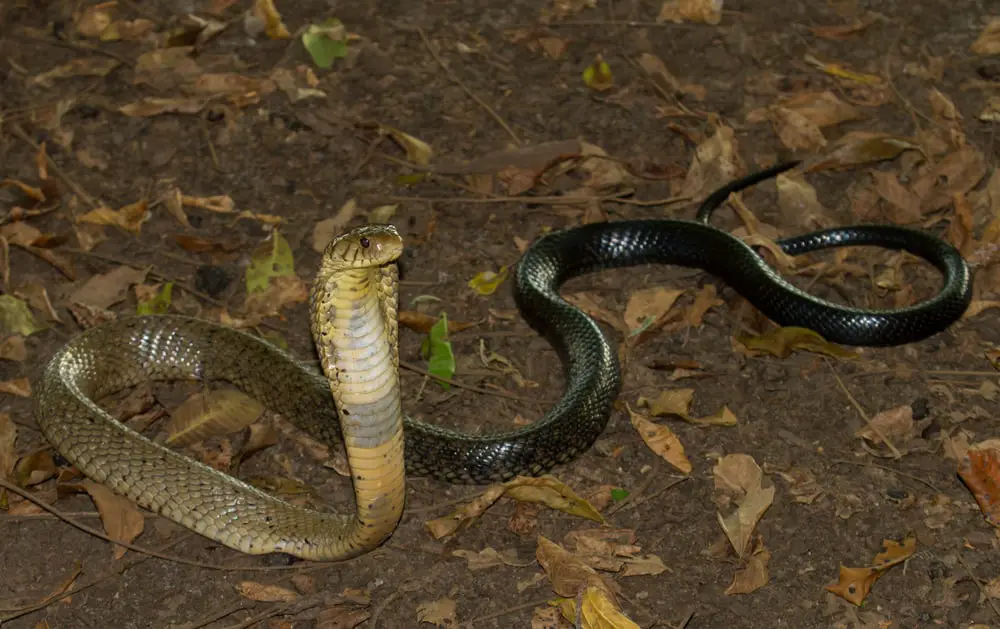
<point x="354" y="399"/>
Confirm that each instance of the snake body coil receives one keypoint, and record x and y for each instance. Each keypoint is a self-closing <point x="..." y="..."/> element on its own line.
<point x="355" y="331"/>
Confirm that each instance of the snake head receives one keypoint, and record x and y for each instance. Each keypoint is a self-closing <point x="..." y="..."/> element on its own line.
<point x="364" y="247"/>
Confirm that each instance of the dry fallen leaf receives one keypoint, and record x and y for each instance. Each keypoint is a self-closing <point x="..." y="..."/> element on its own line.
<point x="488" y="557"/>
<point x="893" y="424"/>
<point x="676" y="402"/>
<point x="130" y="218"/>
<point x="904" y="204"/>
<point x="546" y="490"/>
<point x="754" y="574"/>
<point x="739" y="480"/>
<point x="662" y="441"/>
<point x="121" y="519"/>
<point x="855" y="583"/>
<point x="795" y="131"/>
<point x="106" y="290"/>
<point x="265" y="593"/>
<point x="783" y="341"/>
<point x="648" y="307"/>
<point x="988" y="42"/>
<point x="798" y="202"/>
<point x="440" y="613"/>
<point x="678" y="11"/>
<point x="861" y="147"/>
<point x="328" y="229"/>
<point x="979" y="469"/>
<point x="210" y="414"/>
<point x="716" y="162"/>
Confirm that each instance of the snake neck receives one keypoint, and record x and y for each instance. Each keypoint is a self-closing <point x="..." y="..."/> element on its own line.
<point x="356" y="345"/>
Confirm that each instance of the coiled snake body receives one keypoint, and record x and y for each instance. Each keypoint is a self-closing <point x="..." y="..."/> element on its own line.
<point x="353" y="307"/>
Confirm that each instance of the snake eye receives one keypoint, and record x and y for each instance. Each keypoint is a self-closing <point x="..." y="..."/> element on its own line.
<point x="365" y="242"/>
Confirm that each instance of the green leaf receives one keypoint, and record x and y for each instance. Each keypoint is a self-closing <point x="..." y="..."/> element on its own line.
<point x="272" y="259"/>
<point x="326" y="42"/>
<point x="437" y="349"/>
<point x="16" y="317"/>
<point x="618" y="494"/>
<point x="158" y="304"/>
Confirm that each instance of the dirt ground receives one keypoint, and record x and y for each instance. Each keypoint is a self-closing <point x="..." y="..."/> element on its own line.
<point x="470" y="79"/>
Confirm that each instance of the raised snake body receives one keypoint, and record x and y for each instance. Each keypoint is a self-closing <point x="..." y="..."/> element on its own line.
<point x="354" y="326"/>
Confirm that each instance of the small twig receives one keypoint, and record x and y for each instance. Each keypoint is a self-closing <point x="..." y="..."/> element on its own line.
<point x="78" y="47"/>
<point x="153" y="274"/>
<point x="542" y="200"/>
<point x="214" y="616"/>
<point x="979" y="585"/>
<point x="861" y="411"/>
<point x="506" y="612"/>
<point x="377" y="612"/>
<point x="75" y="187"/>
<point x="888" y="469"/>
<point x="451" y="75"/>
<point x="468" y="387"/>
<point x="441" y="505"/>
<point x="646" y="498"/>
<point x="139" y="549"/>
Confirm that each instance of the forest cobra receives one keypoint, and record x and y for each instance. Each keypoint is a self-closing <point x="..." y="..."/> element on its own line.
<point x="357" y="397"/>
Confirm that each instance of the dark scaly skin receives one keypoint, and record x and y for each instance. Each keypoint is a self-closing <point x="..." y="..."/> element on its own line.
<point x="120" y="354"/>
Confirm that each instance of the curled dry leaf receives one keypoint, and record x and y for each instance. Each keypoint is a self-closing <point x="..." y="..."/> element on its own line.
<point x="20" y="387"/>
<point x="657" y="71"/>
<point x="265" y="593"/>
<point x="893" y="424"/>
<point x="862" y="147"/>
<point x="122" y="521"/>
<point x="8" y="435"/>
<point x="678" y="11"/>
<point x="546" y="490"/>
<point x="904" y="204"/>
<point x="704" y="300"/>
<point x="739" y="480"/>
<point x="855" y="583"/>
<point x="440" y="613"/>
<point x="979" y="469"/>
<point x="569" y="574"/>
<point x="716" y="162"/>
<point x="590" y="304"/>
<point x="647" y="308"/>
<point x="798" y="202"/>
<point x="988" y="42"/>
<point x="488" y="557"/>
<point x="597" y="611"/>
<point x="783" y="341"/>
<point x="662" y="441"/>
<point x="841" y="32"/>
<point x="676" y="402"/>
<point x="754" y="574"/>
<point x="796" y="131"/>
<point x="33" y="469"/>
<point x="422" y="322"/>
<point x="210" y="414"/>
<point x="417" y="151"/>
<point x="329" y="228"/>
<point x="130" y="218"/>
<point x="957" y="173"/>
<point x="106" y="290"/>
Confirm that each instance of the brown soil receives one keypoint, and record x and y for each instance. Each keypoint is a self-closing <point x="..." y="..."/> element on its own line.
<point x="301" y="161"/>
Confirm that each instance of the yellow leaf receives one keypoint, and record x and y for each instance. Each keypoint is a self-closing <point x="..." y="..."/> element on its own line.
<point x="130" y="218"/>
<point x="839" y="71"/>
<point x="417" y="151"/>
<point x="661" y="440"/>
<point x="783" y="341"/>
<point x="598" y="611"/>
<point x="648" y="307"/>
<point x="266" y="12"/>
<point x="598" y="75"/>
<point x="487" y="282"/>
